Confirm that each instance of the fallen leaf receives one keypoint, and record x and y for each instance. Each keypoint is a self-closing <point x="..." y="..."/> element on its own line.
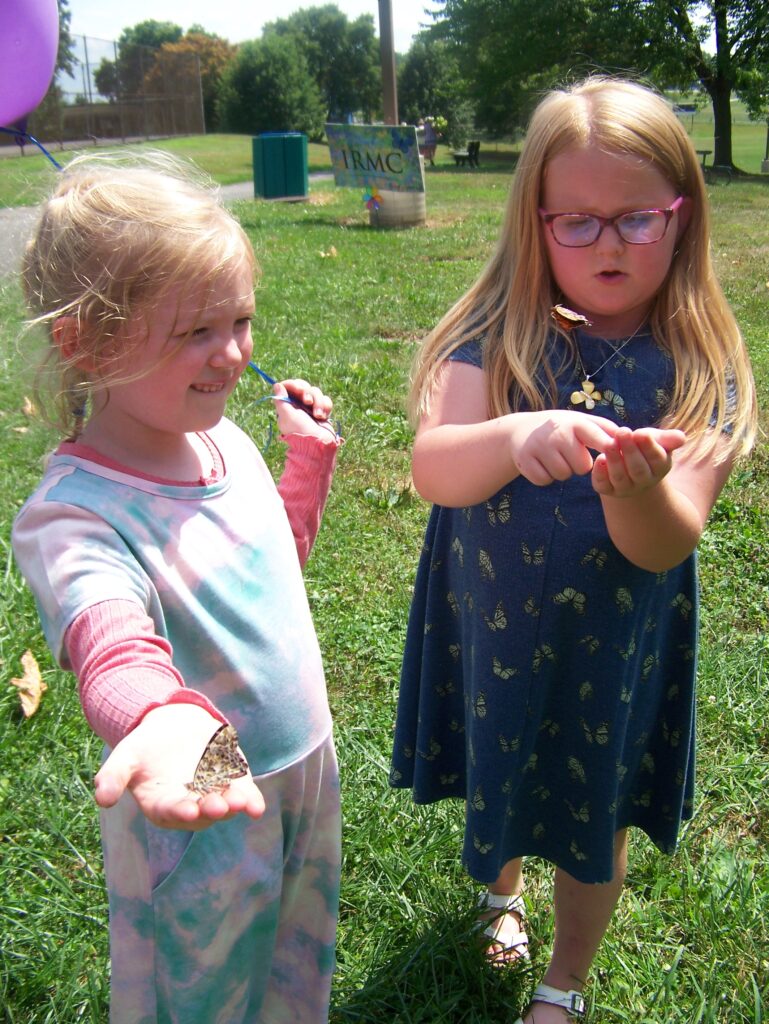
<point x="20" y="430"/>
<point x="28" y="407"/>
<point x="31" y="685"/>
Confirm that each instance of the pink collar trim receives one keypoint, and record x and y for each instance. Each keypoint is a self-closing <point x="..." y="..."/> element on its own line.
<point x="84" y="451"/>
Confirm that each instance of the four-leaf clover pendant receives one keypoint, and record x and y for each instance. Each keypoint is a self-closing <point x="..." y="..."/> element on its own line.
<point x="589" y="395"/>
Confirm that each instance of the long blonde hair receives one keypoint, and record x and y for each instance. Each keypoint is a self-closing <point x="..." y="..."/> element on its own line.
<point x="509" y="305"/>
<point x="118" y="232"/>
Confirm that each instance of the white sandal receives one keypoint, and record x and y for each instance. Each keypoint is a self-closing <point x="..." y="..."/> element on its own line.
<point x="499" y="929"/>
<point x="571" y="1001"/>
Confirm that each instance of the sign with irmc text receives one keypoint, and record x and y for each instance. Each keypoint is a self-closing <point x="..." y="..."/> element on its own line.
<point x="378" y="156"/>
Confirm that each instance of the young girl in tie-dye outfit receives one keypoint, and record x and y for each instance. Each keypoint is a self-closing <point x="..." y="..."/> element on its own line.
<point x="166" y="566"/>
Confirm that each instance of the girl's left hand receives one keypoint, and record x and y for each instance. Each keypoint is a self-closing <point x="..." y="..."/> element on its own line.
<point x="310" y="417"/>
<point x="635" y="461"/>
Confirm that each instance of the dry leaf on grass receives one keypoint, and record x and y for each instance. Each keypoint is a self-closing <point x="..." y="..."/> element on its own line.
<point x="28" y="407"/>
<point x="31" y="685"/>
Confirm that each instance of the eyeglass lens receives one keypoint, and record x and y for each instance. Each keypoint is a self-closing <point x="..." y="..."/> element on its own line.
<point x="638" y="227"/>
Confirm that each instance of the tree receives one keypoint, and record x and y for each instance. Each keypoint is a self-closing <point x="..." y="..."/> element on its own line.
<point x="430" y="83"/>
<point x="137" y="48"/>
<point x="510" y="51"/>
<point x="342" y="56"/>
<point x="65" y="57"/>
<point x="45" y="119"/>
<point x="739" y="29"/>
<point x="211" y="52"/>
<point x="268" y="87"/>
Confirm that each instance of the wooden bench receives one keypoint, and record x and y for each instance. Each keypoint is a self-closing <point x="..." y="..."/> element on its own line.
<point x="467" y="156"/>
<point x="716" y="172"/>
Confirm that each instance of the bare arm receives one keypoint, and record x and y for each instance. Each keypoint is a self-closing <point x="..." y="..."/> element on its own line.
<point x="656" y="503"/>
<point x="462" y="457"/>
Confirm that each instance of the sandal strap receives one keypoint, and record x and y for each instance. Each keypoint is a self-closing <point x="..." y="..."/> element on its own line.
<point x="499" y="928"/>
<point x="571" y="1001"/>
<point x="499" y="901"/>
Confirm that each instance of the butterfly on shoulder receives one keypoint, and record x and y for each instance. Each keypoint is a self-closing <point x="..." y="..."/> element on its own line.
<point x="567" y="319"/>
<point x="221" y="762"/>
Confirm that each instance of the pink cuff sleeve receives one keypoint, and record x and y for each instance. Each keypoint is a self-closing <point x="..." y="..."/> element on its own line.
<point x="305" y="484"/>
<point x="124" y="669"/>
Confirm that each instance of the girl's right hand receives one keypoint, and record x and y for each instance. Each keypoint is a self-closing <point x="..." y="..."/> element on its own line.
<point x="557" y="443"/>
<point x="156" y="760"/>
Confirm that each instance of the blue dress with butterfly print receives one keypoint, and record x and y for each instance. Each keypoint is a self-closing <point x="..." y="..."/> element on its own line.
<point x="547" y="680"/>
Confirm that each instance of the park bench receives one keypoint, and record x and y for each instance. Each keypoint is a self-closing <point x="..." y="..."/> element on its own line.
<point x="467" y="156"/>
<point x="716" y="172"/>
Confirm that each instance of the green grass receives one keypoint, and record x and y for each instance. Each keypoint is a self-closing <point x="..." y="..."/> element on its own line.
<point x="690" y="941"/>
<point x="227" y="158"/>
<point x="24" y="180"/>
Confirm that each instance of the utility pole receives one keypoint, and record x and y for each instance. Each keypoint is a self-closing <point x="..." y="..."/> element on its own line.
<point x="387" y="55"/>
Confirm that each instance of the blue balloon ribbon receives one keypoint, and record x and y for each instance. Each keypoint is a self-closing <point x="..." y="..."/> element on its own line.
<point x="21" y="137"/>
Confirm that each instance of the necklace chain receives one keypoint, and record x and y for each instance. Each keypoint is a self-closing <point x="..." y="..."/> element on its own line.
<point x="614" y="352"/>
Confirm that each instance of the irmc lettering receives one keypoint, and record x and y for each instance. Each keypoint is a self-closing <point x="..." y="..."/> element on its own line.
<point x="365" y="161"/>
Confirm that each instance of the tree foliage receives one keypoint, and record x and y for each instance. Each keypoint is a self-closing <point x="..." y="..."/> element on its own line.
<point x="511" y="51"/>
<point x="211" y="53"/>
<point x="342" y="57"/>
<point x="136" y="47"/>
<point x="268" y="87"/>
<point x="65" y="56"/>
<point x="430" y="84"/>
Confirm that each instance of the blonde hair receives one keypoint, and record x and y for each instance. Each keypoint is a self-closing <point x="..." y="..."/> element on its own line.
<point x="117" y="233"/>
<point x="509" y="305"/>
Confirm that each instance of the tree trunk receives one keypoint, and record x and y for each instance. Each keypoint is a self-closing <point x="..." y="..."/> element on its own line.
<point x="720" y="87"/>
<point x="721" y="95"/>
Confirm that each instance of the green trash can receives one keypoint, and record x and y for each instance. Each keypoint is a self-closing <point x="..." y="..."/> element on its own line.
<point x="280" y="165"/>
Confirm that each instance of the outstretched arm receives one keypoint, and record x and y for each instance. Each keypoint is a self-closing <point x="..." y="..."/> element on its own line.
<point x="462" y="457"/>
<point x="136" y="700"/>
<point x="657" y="494"/>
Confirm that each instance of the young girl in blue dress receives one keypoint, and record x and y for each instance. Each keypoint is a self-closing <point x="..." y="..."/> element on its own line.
<point x="579" y="411"/>
<point x="166" y="566"/>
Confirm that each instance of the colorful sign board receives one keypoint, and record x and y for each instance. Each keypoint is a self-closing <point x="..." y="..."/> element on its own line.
<point x="376" y="157"/>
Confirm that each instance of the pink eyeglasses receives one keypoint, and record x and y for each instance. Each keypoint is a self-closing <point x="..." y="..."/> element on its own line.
<point x="637" y="227"/>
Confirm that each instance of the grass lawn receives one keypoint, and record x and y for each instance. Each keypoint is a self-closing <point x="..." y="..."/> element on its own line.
<point x="346" y="305"/>
<point x="24" y="180"/>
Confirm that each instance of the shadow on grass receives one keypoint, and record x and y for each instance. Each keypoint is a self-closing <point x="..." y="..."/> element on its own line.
<point x="437" y="976"/>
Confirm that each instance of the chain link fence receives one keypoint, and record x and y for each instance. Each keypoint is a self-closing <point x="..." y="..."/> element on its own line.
<point x="120" y="93"/>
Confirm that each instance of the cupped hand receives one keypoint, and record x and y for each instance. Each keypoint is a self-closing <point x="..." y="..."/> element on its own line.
<point x="156" y="760"/>
<point x="311" y="416"/>
<point x="635" y="461"/>
<point x="556" y="444"/>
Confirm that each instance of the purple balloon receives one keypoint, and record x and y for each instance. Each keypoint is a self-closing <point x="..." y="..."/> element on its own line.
<point x="29" y="40"/>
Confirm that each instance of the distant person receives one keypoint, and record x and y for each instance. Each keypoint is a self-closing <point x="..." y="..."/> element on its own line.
<point x="431" y="141"/>
<point x="579" y="411"/>
<point x="166" y="566"/>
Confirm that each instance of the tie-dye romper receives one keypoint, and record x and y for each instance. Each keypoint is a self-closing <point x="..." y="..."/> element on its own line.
<point x="235" y="924"/>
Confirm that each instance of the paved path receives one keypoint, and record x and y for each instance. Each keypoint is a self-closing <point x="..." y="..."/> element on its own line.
<point x="17" y="222"/>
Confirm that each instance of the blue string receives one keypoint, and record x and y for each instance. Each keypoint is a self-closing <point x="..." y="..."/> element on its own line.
<point x="20" y="137"/>
<point x="296" y="402"/>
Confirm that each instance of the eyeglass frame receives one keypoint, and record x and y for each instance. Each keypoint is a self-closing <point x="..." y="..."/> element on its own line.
<point x="605" y="222"/>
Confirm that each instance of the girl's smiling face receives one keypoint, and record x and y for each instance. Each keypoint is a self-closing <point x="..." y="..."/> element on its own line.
<point x="611" y="282"/>
<point x="181" y="362"/>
